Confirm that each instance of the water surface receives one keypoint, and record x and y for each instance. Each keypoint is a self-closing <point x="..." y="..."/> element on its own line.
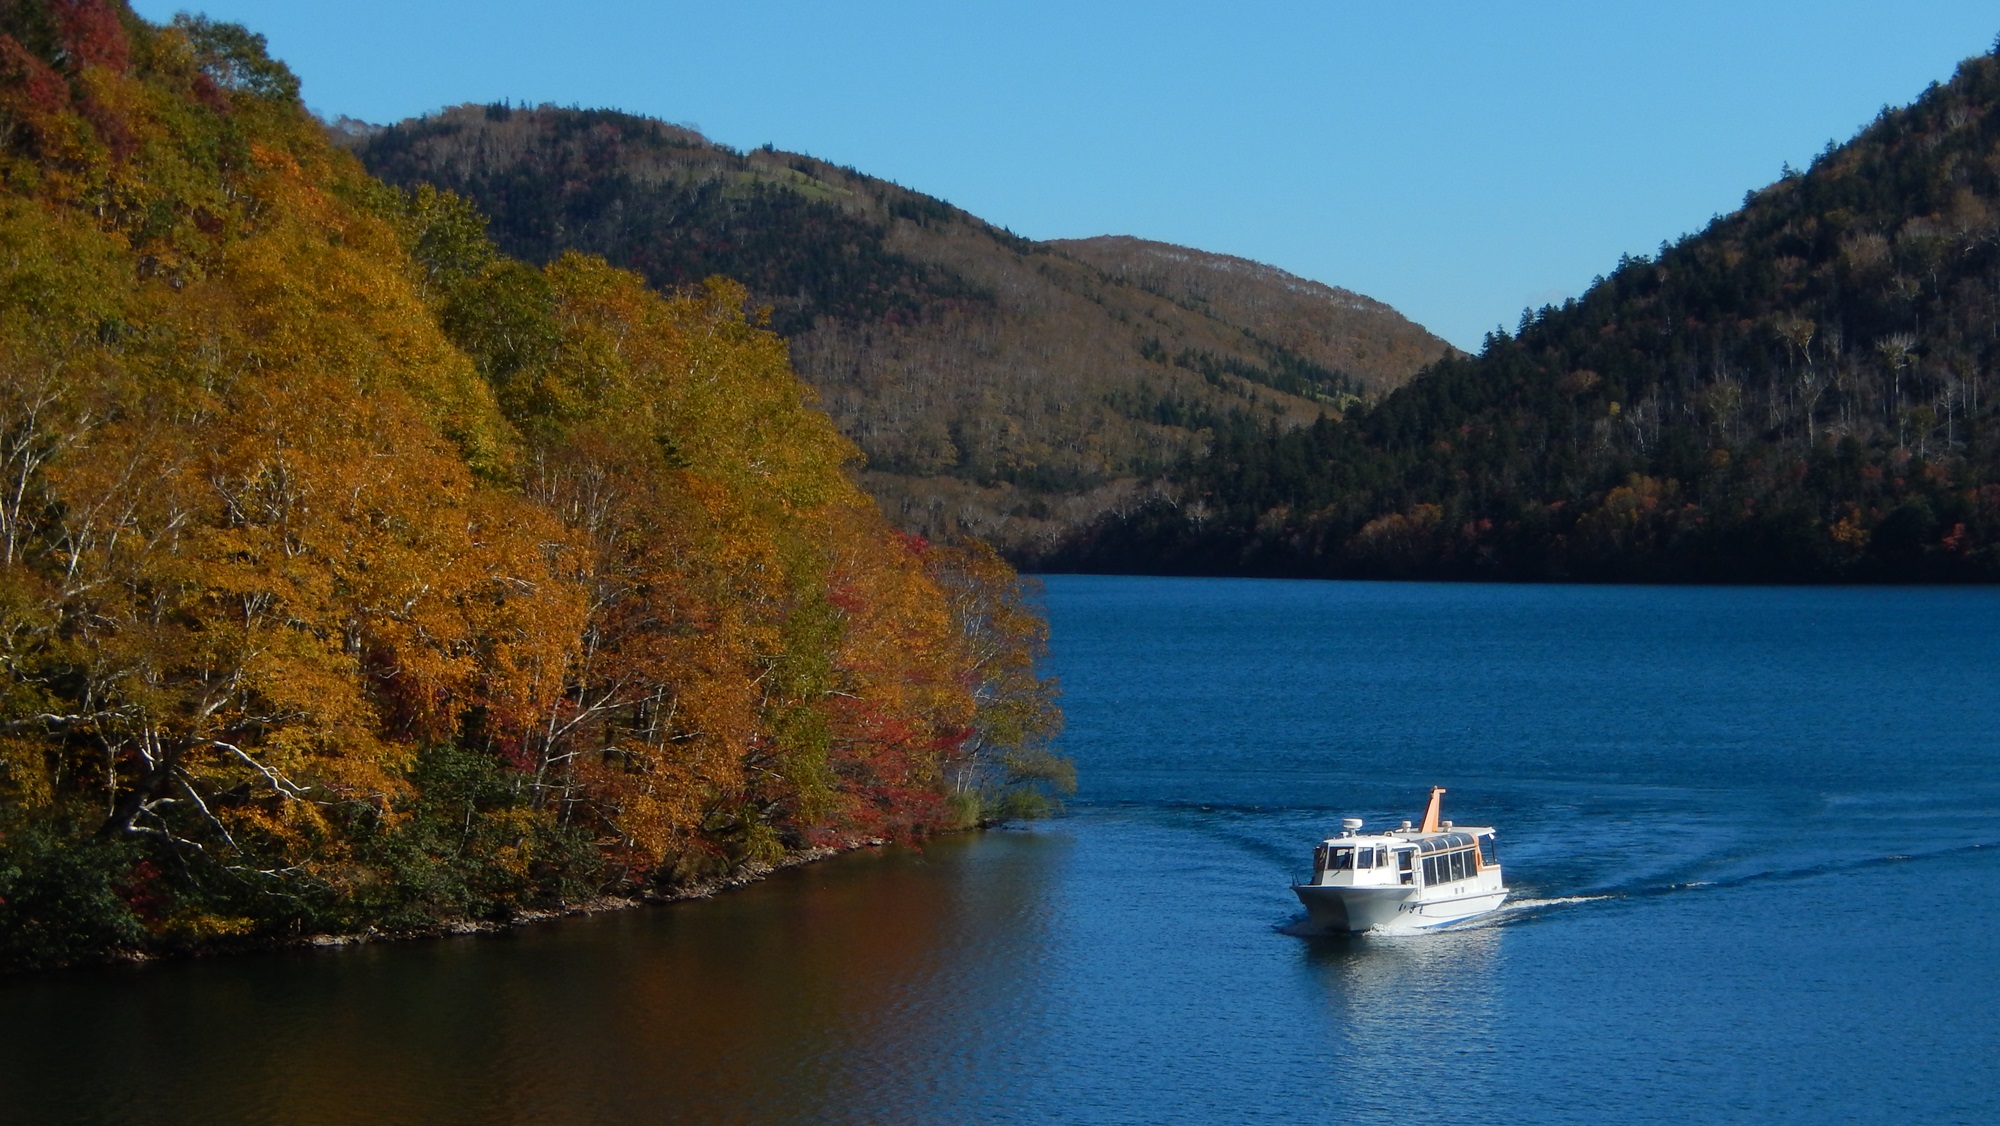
<point x="1753" y="835"/>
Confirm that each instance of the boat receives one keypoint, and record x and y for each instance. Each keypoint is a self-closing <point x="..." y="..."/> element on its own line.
<point x="1406" y="878"/>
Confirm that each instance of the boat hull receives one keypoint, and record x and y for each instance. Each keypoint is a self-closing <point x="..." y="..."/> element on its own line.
<point x="1357" y="909"/>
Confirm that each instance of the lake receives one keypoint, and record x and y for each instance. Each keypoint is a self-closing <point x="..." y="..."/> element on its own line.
<point x="1753" y="837"/>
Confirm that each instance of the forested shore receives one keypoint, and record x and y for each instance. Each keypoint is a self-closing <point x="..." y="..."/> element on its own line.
<point x="355" y="577"/>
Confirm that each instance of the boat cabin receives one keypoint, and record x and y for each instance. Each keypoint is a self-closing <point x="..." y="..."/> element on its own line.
<point x="1407" y="857"/>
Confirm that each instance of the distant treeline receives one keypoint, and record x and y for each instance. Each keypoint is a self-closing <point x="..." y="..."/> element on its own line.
<point x="1803" y="392"/>
<point x="357" y="577"/>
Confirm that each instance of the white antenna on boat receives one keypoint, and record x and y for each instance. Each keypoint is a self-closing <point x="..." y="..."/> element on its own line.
<point x="1431" y="814"/>
<point x="1348" y="825"/>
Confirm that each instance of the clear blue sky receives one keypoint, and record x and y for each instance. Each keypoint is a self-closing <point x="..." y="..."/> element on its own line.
<point x="1457" y="160"/>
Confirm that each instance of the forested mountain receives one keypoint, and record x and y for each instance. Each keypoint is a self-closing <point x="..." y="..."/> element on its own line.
<point x="355" y="576"/>
<point x="1013" y="389"/>
<point x="1804" y="391"/>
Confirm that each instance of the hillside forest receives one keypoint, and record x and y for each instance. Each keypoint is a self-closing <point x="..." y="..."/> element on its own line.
<point x="1013" y="389"/>
<point x="1802" y="392"/>
<point x="357" y="577"/>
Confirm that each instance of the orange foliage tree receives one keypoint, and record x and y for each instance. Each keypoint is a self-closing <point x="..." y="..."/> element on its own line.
<point x="352" y="573"/>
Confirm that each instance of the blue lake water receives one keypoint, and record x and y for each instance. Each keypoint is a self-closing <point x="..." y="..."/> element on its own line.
<point x="1753" y="834"/>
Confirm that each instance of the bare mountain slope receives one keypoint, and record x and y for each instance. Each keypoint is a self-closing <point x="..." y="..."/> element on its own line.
<point x="1000" y="386"/>
<point x="1335" y="328"/>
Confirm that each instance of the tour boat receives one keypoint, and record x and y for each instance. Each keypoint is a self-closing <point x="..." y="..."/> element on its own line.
<point x="1428" y="876"/>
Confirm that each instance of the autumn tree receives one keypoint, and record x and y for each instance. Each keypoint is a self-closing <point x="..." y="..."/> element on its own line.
<point x="355" y="575"/>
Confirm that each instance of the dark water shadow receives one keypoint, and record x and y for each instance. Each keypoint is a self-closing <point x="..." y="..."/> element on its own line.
<point x="825" y="990"/>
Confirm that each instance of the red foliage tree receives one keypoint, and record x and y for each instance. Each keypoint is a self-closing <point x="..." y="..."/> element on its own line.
<point x="92" y="34"/>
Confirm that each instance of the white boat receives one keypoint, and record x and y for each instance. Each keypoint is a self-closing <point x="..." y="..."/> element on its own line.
<point x="1434" y="874"/>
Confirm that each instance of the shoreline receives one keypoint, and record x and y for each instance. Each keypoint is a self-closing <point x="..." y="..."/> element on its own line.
<point x="743" y="875"/>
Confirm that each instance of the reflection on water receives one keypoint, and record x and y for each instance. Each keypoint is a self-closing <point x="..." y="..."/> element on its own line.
<point x="842" y="985"/>
<point x="1422" y="1005"/>
<point x="1374" y="983"/>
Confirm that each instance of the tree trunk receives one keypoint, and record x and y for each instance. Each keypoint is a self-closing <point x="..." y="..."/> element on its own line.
<point x="149" y="786"/>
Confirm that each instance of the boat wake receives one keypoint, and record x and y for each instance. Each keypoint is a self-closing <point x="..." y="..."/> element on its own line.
<point x="1512" y="911"/>
<point x="1836" y="866"/>
<point x="1749" y="879"/>
<point x="1554" y="901"/>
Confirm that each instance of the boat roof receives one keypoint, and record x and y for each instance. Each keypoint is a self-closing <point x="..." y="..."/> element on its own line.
<point x="1458" y="836"/>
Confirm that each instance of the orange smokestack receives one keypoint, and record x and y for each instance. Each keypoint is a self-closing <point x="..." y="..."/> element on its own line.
<point x="1431" y="814"/>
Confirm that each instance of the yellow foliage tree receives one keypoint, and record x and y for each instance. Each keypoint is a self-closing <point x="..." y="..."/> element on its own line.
<point x="323" y="526"/>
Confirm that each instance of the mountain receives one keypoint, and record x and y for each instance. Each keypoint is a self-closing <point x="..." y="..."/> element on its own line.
<point x="1013" y="389"/>
<point x="1802" y="391"/>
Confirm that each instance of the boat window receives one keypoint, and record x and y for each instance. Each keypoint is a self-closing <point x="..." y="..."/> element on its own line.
<point x="1448" y="866"/>
<point x="1364" y="858"/>
<point x="1487" y="855"/>
<point x="1342" y="858"/>
<point x="1403" y="859"/>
